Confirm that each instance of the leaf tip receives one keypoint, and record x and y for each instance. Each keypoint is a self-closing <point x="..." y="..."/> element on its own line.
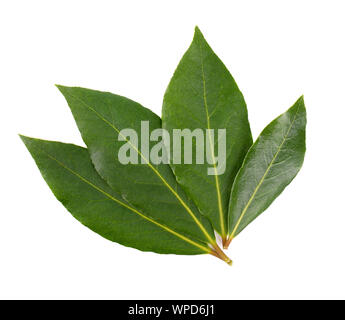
<point x="197" y="32"/>
<point x="22" y="137"/>
<point x="26" y="140"/>
<point x="301" y="99"/>
<point x="62" y="89"/>
<point x="300" y="103"/>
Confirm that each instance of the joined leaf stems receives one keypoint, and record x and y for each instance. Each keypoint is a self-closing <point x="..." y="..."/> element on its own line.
<point x="217" y="252"/>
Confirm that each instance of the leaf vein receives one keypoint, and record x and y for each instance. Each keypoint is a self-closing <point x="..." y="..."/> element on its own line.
<point x="263" y="177"/>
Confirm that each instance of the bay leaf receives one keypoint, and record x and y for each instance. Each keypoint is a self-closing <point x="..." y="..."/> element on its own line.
<point x="152" y="188"/>
<point x="270" y="165"/>
<point x="202" y="94"/>
<point x="71" y="176"/>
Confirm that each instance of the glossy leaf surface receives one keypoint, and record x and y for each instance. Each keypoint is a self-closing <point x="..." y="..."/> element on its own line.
<point x="100" y="117"/>
<point x="270" y="165"/>
<point x="203" y="95"/>
<point x="71" y="176"/>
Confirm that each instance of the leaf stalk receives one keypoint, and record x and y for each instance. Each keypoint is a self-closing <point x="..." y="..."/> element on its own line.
<point x="226" y="242"/>
<point x="217" y="252"/>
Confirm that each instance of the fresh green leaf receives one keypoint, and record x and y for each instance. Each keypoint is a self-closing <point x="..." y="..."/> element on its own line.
<point x="270" y="165"/>
<point x="203" y="95"/>
<point x="151" y="188"/>
<point x="71" y="176"/>
<point x="125" y="185"/>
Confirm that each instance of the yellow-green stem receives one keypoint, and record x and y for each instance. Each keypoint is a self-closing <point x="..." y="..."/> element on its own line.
<point x="217" y="252"/>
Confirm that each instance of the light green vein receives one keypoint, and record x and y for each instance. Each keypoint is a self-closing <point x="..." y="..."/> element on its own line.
<point x="219" y="198"/>
<point x="171" y="189"/>
<point x="167" y="229"/>
<point x="263" y="178"/>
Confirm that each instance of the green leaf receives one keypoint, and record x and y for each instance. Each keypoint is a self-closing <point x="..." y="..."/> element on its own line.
<point x="71" y="176"/>
<point x="119" y="188"/>
<point x="202" y="94"/>
<point x="270" y="165"/>
<point x="100" y="117"/>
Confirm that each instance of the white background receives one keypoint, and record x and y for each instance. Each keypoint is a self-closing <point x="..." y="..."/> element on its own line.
<point x="276" y="51"/>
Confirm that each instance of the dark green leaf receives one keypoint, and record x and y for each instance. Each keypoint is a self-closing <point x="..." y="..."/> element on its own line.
<point x="71" y="176"/>
<point x="151" y="188"/>
<point x="270" y="165"/>
<point x="202" y="94"/>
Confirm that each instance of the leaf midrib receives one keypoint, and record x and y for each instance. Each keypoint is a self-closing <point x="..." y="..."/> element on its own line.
<point x="219" y="198"/>
<point x="185" y="206"/>
<point x="263" y="178"/>
<point x="162" y="226"/>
